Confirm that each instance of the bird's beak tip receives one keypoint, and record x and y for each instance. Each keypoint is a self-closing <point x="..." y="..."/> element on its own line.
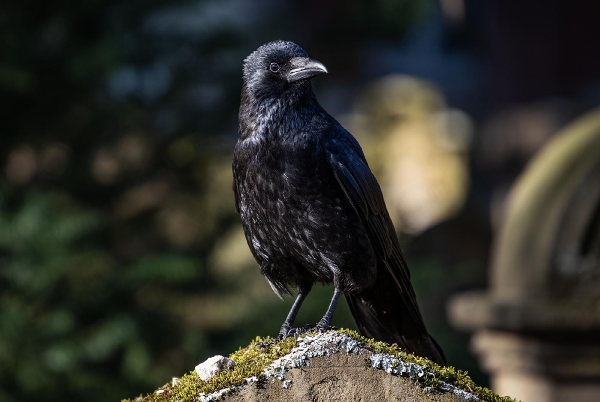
<point x="305" y="69"/>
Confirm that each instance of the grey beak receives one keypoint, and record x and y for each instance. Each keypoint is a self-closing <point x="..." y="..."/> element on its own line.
<point x="305" y="68"/>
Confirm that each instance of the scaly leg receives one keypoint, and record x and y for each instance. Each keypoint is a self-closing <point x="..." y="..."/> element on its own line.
<point x="284" y="332"/>
<point x="325" y="322"/>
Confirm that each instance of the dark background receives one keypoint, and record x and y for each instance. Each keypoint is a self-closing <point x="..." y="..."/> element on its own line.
<point x="122" y="261"/>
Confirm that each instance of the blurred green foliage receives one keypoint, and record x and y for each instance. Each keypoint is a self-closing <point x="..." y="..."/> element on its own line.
<point x="122" y="262"/>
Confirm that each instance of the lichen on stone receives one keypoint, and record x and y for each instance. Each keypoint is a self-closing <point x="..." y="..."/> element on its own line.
<point x="393" y="365"/>
<point x="438" y="378"/>
<point x="310" y="346"/>
<point x="267" y="359"/>
<point x="214" y="396"/>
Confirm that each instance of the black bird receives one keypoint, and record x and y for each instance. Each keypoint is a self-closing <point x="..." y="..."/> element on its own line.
<point x="311" y="209"/>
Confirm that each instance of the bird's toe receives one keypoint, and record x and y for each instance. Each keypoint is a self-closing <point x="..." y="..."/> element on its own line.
<point x="284" y="332"/>
<point x="323" y="326"/>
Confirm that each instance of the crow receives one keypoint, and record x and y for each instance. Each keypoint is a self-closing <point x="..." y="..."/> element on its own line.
<point x="311" y="209"/>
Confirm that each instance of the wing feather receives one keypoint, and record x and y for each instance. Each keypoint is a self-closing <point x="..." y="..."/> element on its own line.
<point x="360" y="187"/>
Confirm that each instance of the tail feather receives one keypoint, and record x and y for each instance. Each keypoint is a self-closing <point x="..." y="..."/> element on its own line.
<point x="380" y="313"/>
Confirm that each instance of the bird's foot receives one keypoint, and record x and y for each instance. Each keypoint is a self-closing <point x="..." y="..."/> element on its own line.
<point x="294" y="332"/>
<point x="323" y="326"/>
<point x="284" y="332"/>
<point x="302" y="330"/>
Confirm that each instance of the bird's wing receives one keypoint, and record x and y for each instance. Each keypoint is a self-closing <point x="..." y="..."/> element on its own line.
<point x="236" y="197"/>
<point x="234" y="169"/>
<point x="364" y="194"/>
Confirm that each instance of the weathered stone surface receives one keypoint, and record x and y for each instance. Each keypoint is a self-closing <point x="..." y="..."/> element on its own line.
<point x="331" y="366"/>
<point x="339" y="377"/>
<point x="335" y="367"/>
<point x="213" y="365"/>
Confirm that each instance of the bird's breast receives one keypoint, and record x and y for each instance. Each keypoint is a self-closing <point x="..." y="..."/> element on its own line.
<point x="283" y="193"/>
<point x="296" y="216"/>
<point x="279" y="180"/>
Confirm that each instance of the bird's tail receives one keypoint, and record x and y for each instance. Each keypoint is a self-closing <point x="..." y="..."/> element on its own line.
<point x="381" y="312"/>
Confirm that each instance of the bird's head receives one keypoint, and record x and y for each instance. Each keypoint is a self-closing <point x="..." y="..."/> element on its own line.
<point x="276" y="67"/>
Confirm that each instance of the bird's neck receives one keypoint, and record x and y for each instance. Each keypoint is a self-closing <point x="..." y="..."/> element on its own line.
<point x="270" y="118"/>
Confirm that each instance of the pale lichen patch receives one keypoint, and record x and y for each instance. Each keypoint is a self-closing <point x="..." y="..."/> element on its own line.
<point x="268" y="360"/>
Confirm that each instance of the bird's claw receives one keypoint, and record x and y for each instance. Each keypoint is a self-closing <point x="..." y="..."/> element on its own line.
<point x="303" y="329"/>
<point x="322" y="326"/>
<point x="284" y="332"/>
<point x="294" y="332"/>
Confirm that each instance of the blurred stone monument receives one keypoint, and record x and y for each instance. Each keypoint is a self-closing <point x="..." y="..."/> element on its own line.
<point x="537" y="329"/>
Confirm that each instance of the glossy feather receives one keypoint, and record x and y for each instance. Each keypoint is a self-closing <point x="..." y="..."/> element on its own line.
<point x="311" y="209"/>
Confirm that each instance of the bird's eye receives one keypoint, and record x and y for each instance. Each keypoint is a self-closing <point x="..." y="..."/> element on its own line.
<point x="274" y="67"/>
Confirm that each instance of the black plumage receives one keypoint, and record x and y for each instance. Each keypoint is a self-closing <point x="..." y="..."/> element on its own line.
<point x="311" y="209"/>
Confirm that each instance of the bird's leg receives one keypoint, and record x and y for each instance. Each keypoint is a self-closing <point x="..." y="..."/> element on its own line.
<point x="289" y="320"/>
<point x="325" y="322"/>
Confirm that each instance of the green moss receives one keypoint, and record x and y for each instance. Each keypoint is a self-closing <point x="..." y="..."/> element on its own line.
<point x="447" y="374"/>
<point x="252" y="360"/>
<point x="249" y="361"/>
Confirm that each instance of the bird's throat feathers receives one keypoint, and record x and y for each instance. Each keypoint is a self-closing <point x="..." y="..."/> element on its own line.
<point x="269" y="117"/>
